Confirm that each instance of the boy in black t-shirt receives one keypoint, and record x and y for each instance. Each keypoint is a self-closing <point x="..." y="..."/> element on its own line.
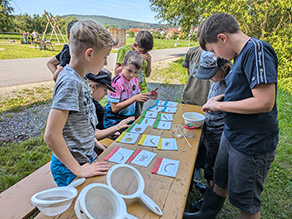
<point x="57" y="63"/>
<point x="249" y="140"/>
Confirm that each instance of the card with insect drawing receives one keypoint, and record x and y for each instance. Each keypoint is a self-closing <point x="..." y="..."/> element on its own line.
<point x="149" y="114"/>
<point x="162" y="125"/>
<point x="169" y="109"/>
<point x="149" y="140"/>
<point x="167" y="144"/>
<point x="166" y="167"/>
<point x="155" y="108"/>
<point x="128" y="138"/>
<point x="146" y="121"/>
<point x="137" y="128"/>
<point x="165" y="117"/>
<point x="142" y="157"/>
<point x="119" y="155"/>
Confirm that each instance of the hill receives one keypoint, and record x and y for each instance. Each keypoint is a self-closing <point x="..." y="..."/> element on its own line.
<point x="117" y="22"/>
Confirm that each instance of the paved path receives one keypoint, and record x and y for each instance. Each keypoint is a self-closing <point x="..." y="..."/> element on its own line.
<point x="15" y="72"/>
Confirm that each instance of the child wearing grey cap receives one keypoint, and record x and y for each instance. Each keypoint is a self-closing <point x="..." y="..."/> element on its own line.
<point x="215" y="70"/>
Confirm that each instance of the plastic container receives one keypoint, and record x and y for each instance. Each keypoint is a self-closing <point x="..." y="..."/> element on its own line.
<point x="194" y="118"/>
<point x="177" y="130"/>
<point x="153" y="95"/>
<point x="189" y="130"/>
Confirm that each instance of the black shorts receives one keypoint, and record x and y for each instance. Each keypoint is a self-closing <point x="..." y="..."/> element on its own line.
<point x="243" y="175"/>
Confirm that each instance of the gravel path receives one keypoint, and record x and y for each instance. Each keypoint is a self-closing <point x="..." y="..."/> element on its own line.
<point x="30" y="122"/>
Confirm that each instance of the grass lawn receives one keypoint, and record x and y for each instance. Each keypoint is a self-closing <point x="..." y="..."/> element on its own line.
<point x="18" y="160"/>
<point x="19" y="51"/>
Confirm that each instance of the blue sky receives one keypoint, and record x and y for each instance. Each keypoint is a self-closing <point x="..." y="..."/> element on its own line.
<point x="136" y="10"/>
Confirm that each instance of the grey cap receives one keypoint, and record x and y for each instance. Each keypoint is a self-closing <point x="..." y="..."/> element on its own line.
<point x="209" y="65"/>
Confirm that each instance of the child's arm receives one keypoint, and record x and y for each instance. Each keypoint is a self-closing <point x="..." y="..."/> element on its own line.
<point x="116" y="107"/>
<point x="118" y="68"/>
<point x="55" y="140"/>
<point x="99" y="145"/>
<point x="147" y="57"/>
<point x="100" y="134"/>
<point x="52" y="64"/>
<point x="57" y="72"/>
<point x="263" y="101"/>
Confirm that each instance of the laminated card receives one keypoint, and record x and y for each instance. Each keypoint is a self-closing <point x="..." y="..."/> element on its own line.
<point x="147" y="121"/>
<point x="162" y="125"/>
<point x="142" y="157"/>
<point x="149" y="114"/>
<point x="167" y="144"/>
<point x="128" y="138"/>
<point x="166" y="167"/>
<point x="156" y="108"/>
<point x="165" y="117"/>
<point x="169" y="109"/>
<point x="149" y="140"/>
<point x="137" y="128"/>
<point x="165" y="103"/>
<point x="119" y="155"/>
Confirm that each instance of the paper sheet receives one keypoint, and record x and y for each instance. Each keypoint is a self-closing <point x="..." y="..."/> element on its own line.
<point x="166" y="167"/>
<point x="162" y="125"/>
<point x="149" y="140"/>
<point x="168" y="144"/>
<point x="165" y="117"/>
<point x="128" y="138"/>
<point x="119" y="155"/>
<point x="142" y="157"/>
<point x="137" y="128"/>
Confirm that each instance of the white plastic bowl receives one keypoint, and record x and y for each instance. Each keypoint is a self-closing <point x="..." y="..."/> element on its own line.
<point x="196" y="119"/>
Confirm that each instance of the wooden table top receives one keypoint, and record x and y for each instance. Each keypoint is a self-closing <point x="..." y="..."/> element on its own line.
<point x="170" y="194"/>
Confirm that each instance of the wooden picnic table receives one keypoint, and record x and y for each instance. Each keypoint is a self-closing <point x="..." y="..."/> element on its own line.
<point x="170" y="194"/>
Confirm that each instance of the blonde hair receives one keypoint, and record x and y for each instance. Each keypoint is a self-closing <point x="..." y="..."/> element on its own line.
<point x="88" y="34"/>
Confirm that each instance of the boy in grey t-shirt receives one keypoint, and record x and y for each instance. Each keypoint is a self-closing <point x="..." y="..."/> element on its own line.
<point x="71" y="124"/>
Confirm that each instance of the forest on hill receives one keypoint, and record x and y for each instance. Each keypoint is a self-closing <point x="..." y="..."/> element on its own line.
<point x="117" y="22"/>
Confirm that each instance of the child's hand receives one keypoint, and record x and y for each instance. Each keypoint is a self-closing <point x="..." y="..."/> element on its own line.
<point x="94" y="169"/>
<point x="146" y="56"/>
<point x="142" y="97"/>
<point x="212" y="103"/>
<point x="124" y="123"/>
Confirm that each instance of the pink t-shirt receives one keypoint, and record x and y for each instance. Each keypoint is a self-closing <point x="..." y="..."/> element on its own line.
<point x="124" y="90"/>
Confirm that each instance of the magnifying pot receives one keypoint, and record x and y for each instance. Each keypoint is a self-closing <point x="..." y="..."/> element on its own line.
<point x="55" y="201"/>
<point x="99" y="201"/>
<point x="129" y="184"/>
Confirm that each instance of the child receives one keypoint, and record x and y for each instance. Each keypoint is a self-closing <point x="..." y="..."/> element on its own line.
<point x="99" y="84"/>
<point x="72" y="120"/>
<point x="121" y="104"/>
<point x="215" y="70"/>
<point x="58" y="62"/>
<point x="143" y="44"/>
<point x="249" y="140"/>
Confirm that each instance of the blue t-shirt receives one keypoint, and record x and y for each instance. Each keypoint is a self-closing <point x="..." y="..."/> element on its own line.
<point x="252" y="133"/>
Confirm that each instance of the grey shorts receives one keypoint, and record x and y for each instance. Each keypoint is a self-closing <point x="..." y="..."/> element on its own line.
<point x="243" y="175"/>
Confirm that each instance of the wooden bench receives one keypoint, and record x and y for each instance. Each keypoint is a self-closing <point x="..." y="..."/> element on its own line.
<point x="15" y="202"/>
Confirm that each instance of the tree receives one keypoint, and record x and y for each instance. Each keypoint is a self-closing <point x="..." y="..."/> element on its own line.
<point x="256" y="18"/>
<point x="5" y="15"/>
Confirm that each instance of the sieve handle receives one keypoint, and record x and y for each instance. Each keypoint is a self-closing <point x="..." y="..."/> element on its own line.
<point x="77" y="182"/>
<point x="129" y="216"/>
<point x="150" y="204"/>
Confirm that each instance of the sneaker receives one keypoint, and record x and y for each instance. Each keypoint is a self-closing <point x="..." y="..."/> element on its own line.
<point x="196" y="205"/>
<point x="197" y="175"/>
<point x="201" y="187"/>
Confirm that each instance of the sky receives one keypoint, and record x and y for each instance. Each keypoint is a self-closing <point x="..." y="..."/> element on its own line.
<point x="136" y="10"/>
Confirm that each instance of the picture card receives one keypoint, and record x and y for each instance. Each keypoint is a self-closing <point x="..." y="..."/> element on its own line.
<point x="166" y="167"/>
<point x="156" y="108"/>
<point x="119" y="155"/>
<point x="162" y="125"/>
<point x="165" y="117"/>
<point x="147" y="121"/>
<point x="168" y="144"/>
<point x="128" y="138"/>
<point x="160" y="103"/>
<point x="149" y="114"/>
<point x="149" y="140"/>
<point x="137" y="128"/>
<point x="171" y="104"/>
<point x="141" y="157"/>
<point x="169" y="109"/>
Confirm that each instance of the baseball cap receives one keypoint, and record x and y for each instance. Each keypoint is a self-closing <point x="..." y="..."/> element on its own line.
<point x="209" y="65"/>
<point x="102" y="77"/>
